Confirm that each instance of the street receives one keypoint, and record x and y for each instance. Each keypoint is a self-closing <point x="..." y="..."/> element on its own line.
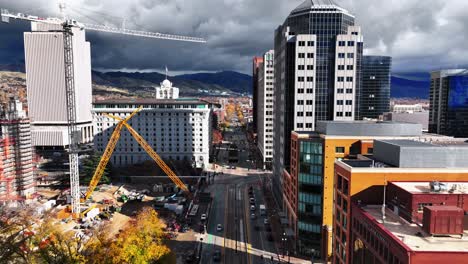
<point x="242" y="239"/>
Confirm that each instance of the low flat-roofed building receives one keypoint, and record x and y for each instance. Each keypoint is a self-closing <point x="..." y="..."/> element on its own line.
<point x="395" y="240"/>
<point x="363" y="180"/>
<point x="408" y="199"/>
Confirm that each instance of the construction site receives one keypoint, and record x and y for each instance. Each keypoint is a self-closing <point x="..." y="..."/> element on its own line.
<point x="31" y="181"/>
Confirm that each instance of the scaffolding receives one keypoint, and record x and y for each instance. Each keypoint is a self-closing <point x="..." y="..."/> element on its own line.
<point x="16" y="155"/>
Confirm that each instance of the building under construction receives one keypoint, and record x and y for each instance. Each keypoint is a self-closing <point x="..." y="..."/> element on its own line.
<point x="16" y="155"/>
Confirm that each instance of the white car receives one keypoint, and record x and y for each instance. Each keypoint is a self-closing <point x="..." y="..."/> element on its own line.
<point x="219" y="228"/>
<point x="265" y="221"/>
<point x="203" y="217"/>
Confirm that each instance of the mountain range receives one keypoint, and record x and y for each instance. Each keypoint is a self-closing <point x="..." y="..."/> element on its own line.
<point x="404" y="85"/>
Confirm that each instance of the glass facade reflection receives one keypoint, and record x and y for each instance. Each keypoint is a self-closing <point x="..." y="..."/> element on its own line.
<point x="448" y="113"/>
<point x="375" y="92"/>
<point x="310" y="196"/>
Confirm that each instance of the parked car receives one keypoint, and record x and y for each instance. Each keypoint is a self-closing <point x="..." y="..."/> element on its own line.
<point x="203" y="217"/>
<point x="252" y="208"/>
<point x="266" y="222"/>
<point x="217" y="256"/>
<point x="219" y="227"/>
<point x="253" y="216"/>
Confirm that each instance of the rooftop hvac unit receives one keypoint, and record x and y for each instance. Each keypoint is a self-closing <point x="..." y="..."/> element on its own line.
<point x="438" y="186"/>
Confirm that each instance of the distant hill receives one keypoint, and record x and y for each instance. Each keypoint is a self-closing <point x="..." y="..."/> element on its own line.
<point x="201" y="84"/>
<point x="415" y="85"/>
<point x="412" y="85"/>
<point x="234" y="81"/>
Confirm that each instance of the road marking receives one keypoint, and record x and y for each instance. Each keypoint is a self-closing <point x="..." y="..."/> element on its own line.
<point x="225" y="222"/>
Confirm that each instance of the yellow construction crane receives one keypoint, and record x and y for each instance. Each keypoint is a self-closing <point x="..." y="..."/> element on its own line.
<point x="110" y="149"/>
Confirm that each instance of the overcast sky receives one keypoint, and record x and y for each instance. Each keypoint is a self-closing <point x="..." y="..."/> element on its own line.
<point x="420" y="35"/>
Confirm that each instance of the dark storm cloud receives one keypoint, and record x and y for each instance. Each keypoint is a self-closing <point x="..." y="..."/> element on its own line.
<point x="420" y="35"/>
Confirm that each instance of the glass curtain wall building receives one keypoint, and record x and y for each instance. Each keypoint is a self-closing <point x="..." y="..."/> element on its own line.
<point x="310" y="189"/>
<point x="375" y="92"/>
<point x="448" y="114"/>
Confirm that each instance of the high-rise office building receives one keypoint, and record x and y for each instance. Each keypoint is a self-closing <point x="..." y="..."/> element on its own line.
<point x="266" y="80"/>
<point x="45" y="81"/>
<point x="449" y="103"/>
<point x="255" y="68"/>
<point x="318" y="54"/>
<point x="375" y="92"/>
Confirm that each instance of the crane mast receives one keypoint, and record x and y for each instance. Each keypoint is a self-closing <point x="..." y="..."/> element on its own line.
<point x="74" y="136"/>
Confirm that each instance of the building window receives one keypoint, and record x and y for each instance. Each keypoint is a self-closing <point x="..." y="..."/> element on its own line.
<point x="300" y="113"/>
<point x="340" y="67"/>
<point x="309" y="102"/>
<point x="351" y="43"/>
<point x="310" y="43"/>
<point x="300" y="67"/>
<point x="339" y="114"/>
<point x="339" y="102"/>
<point x="309" y="113"/>
<point x="310" y="79"/>
<point x="349" y="79"/>
<point x="310" y="55"/>
<point x="341" y="55"/>
<point x="348" y="114"/>
<point x="349" y="102"/>
<point x="340" y="150"/>
<point x="340" y="79"/>
<point x="300" y="125"/>
<point x="340" y="91"/>
<point x="310" y="67"/>
<point x="309" y="91"/>
<point x="349" y="91"/>
<point x="300" y="79"/>
<point x="308" y="125"/>
<point x="300" y="91"/>
<point x="350" y="67"/>
<point x="301" y="55"/>
<point x="300" y="102"/>
<point x="341" y="43"/>
<point x="350" y="55"/>
<point x="301" y="43"/>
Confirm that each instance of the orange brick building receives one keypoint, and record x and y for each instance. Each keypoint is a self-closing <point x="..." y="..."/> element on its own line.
<point x="359" y="186"/>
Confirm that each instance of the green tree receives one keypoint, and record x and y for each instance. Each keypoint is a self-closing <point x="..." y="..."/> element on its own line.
<point x="89" y="167"/>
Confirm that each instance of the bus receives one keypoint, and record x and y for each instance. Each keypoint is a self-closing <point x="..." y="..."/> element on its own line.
<point x="262" y="209"/>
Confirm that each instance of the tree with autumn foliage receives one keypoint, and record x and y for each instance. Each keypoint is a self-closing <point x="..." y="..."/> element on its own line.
<point x="27" y="241"/>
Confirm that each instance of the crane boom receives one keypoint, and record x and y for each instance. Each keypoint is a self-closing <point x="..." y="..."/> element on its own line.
<point x="153" y="155"/>
<point x="156" y="158"/>
<point x="140" y="33"/>
<point x="106" y="156"/>
<point x="6" y="15"/>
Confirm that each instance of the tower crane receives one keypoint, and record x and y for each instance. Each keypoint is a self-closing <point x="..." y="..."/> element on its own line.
<point x="69" y="85"/>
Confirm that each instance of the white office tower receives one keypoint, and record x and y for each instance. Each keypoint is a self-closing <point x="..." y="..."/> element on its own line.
<point x="348" y="75"/>
<point x="266" y="81"/>
<point x="166" y="91"/>
<point x="45" y="80"/>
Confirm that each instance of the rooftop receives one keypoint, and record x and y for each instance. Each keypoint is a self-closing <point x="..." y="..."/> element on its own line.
<point x="319" y="5"/>
<point x="413" y="235"/>
<point x="424" y="187"/>
<point x="150" y="101"/>
<point x="369" y="128"/>
<point x="416" y="154"/>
